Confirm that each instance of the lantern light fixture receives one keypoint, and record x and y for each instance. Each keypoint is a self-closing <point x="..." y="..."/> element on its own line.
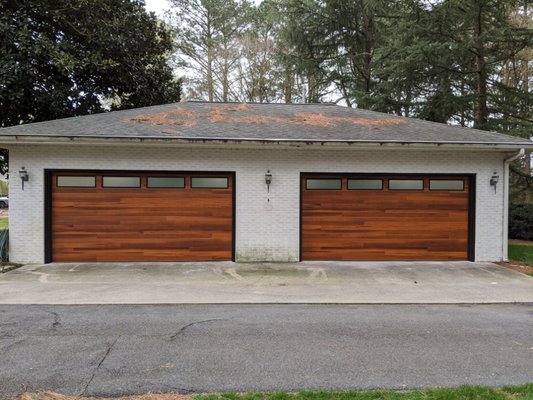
<point x="494" y="181"/>
<point x="24" y="177"/>
<point x="268" y="180"/>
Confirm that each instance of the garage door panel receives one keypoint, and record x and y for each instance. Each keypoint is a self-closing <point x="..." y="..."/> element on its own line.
<point x="149" y="244"/>
<point x="135" y="256"/>
<point x="143" y="216"/>
<point x="390" y="256"/>
<point x="389" y="223"/>
<point x="380" y="243"/>
<point x="387" y="217"/>
<point x="400" y="200"/>
<point x="142" y="224"/>
<point x="395" y="255"/>
<point x="118" y="237"/>
<point x="348" y="248"/>
<point x="385" y="224"/>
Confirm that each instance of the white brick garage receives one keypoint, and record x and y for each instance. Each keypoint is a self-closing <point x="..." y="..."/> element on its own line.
<point x="265" y="230"/>
<point x="248" y="140"/>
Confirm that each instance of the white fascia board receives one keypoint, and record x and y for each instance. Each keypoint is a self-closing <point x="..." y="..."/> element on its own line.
<point x="259" y="143"/>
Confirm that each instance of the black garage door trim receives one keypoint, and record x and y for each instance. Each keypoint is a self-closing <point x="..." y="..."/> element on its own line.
<point x="471" y="200"/>
<point x="48" y="174"/>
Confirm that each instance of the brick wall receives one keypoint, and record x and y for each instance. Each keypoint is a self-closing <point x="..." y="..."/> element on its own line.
<point x="267" y="225"/>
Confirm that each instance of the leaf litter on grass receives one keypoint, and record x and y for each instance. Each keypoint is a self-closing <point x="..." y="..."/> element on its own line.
<point x="465" y="392"/>
<point x="57" y="396"/>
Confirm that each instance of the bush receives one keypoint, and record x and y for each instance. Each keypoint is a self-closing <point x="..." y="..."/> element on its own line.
<point x="521" y="222"/>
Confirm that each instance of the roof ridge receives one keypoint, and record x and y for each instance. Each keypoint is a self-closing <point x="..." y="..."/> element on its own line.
<point x="330" y="103"/>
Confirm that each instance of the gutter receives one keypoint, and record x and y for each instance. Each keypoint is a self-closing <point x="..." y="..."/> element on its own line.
<point x="505" y="241"/>
<point x="93" y="139"/>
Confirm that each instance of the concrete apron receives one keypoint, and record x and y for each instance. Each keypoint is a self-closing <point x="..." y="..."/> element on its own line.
<point x="228" y="282"/>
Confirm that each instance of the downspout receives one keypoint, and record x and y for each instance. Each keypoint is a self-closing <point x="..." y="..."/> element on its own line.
<point x="506" y="163"/>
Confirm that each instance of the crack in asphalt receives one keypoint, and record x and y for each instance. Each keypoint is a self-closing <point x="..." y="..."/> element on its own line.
<point x="7" y="336"/>
<point x="182" y="329"/>
<point x="11" y="345"/>
<point x="99" y="365"/>
<point x="57" y="320"/>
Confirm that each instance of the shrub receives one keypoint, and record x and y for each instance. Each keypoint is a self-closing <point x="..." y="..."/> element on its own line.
<point x="521" y="222"/>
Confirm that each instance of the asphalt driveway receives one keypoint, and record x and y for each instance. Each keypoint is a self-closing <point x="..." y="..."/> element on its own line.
<point x="227" y="282"/>
<point x="115" y="350"/>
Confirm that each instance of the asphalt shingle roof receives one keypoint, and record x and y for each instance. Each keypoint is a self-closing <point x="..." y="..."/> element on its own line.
<point x="259" y="122"/>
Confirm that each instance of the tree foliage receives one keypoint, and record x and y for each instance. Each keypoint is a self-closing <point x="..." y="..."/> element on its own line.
<point x="446" y="61"/>
<point x="521" y="221"/>
<point x="62" y="58"/>
<point x="442" y="61"/>
<point x="233" y="51"/>
<point x="207" y="32"/>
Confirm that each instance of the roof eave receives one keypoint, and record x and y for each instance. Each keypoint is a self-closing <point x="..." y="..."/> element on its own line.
<point x="45" y="139"/>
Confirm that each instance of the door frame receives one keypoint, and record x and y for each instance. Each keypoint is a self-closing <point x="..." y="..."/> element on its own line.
<point x="471" y="246"/>
<point x="48" y="173"/>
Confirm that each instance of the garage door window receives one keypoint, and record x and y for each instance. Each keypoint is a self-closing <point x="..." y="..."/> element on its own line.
<point x="209" y="183"/>
<point x="406" y="184"/>
<point x="76" y="181"/>
<point x="165" y="182"/>
<point x="446" y="184"/>
<point x="121" y="181"/>
<point x="365" y="184"/>
<point x="324" y="184"/>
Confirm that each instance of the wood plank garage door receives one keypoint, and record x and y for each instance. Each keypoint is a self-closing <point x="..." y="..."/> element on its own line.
<point x="380" y="217"/>
<point x="119" y="216"/>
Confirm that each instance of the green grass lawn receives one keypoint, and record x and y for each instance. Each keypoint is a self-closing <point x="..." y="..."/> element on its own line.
<point x="3" y="224"/>
<point x="523" y="392"/>
<point x="521" y="251"/>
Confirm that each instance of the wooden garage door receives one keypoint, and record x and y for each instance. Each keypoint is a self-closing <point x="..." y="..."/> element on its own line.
<point x="140" y="216"/>
<point x="362" y="217"/>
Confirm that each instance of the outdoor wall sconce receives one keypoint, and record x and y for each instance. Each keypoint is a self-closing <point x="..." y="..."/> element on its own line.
<point x="494" y="181"/>
<point x="24" y="177"/>
<point x="268" y="180"/>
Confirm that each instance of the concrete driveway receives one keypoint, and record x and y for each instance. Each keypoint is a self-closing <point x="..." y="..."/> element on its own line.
<point x="227" y="282"/>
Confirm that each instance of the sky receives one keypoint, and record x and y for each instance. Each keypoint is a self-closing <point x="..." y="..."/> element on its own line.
<point x="158" y="6"/>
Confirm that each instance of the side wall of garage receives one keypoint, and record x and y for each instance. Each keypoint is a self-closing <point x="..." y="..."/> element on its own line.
<point x="267" y="224"/>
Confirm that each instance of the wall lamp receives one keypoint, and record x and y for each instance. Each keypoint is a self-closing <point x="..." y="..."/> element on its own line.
<point x="268" y="180"/>
<point x="494" y="181"/>
<point x="24" y="177"/>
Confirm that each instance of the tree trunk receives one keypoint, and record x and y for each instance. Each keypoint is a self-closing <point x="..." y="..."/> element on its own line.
<point x="210" y="88"/>
<point x="482" y="112"/>
<point x="288" y="85"/>
<point x="225" y="84"/>
<point x="225" y="73"/>
<point x="369" y="47"/>
<point x="463" y="112"/>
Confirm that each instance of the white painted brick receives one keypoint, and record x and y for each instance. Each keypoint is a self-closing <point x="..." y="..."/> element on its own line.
<point x="264" y="231"/>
